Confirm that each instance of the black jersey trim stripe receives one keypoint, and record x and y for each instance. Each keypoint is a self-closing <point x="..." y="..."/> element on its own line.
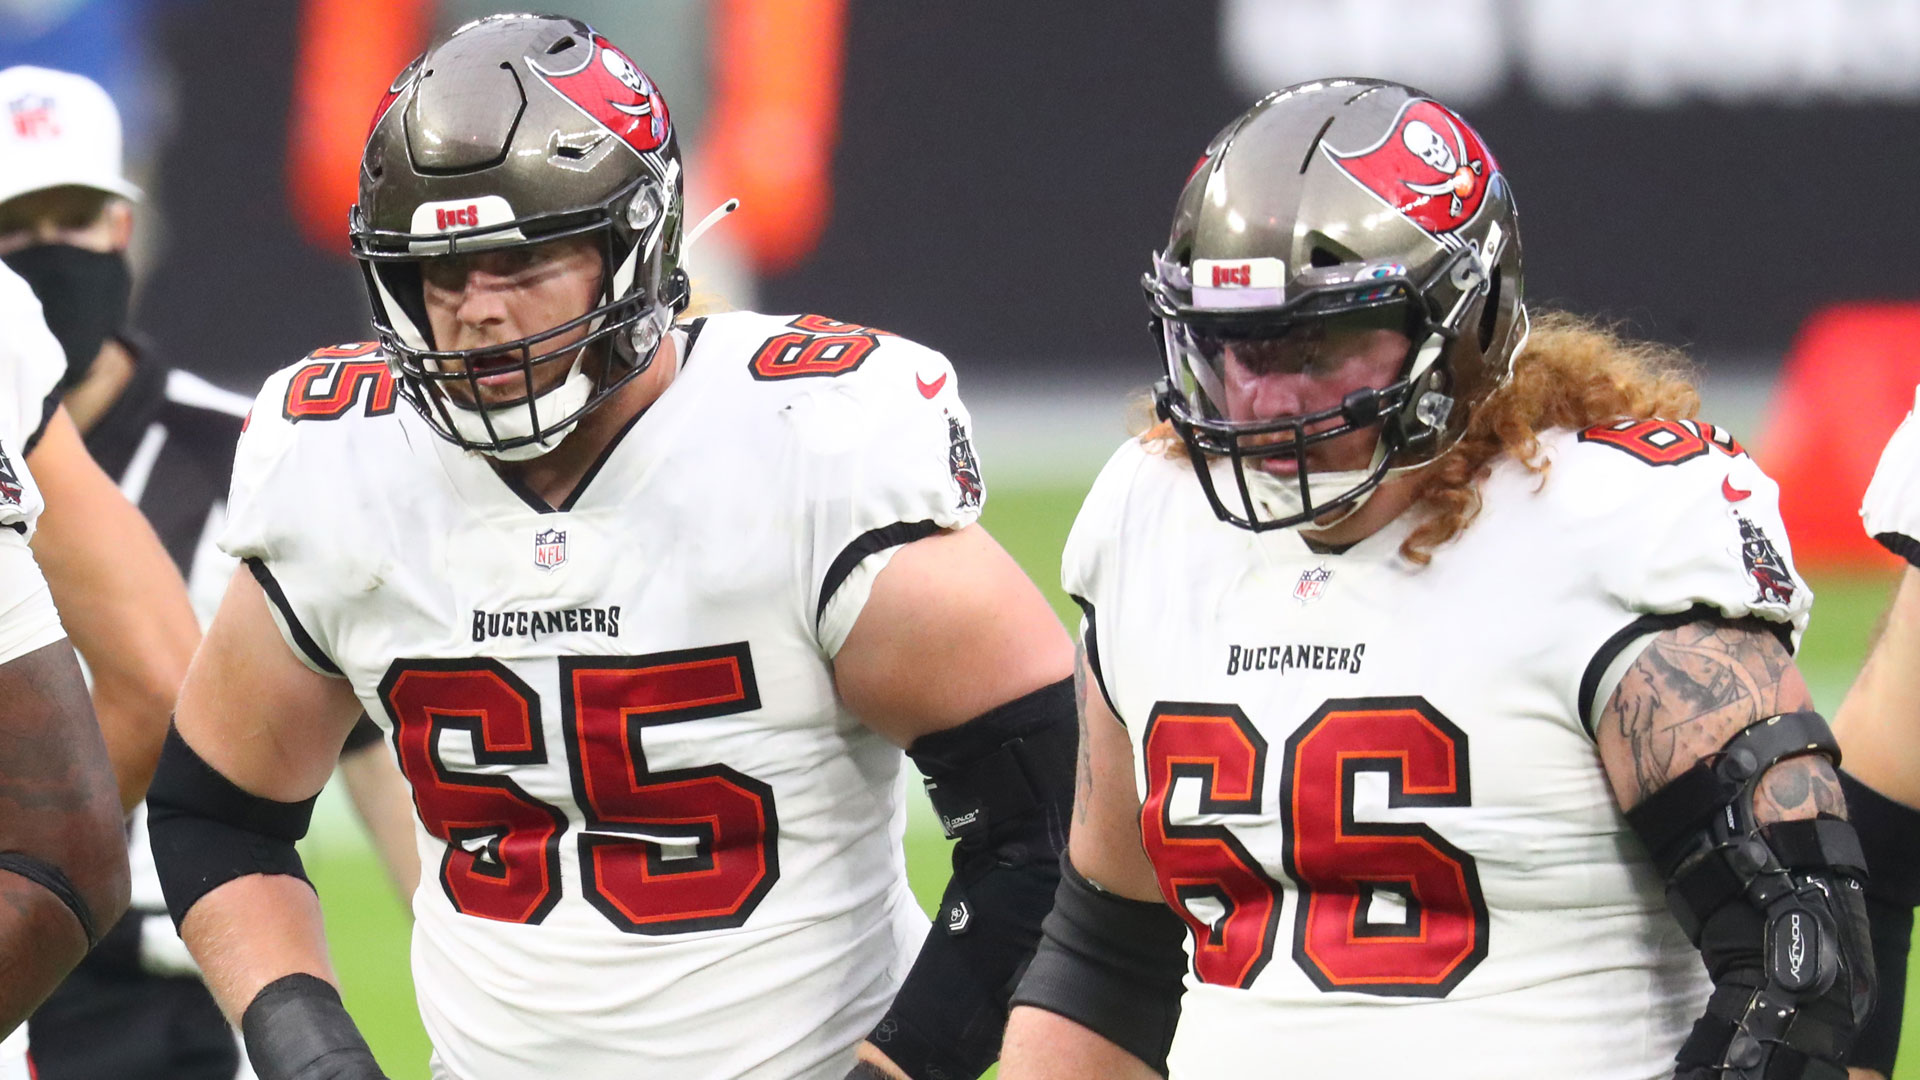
<point x="693" y="332"/>
<point x="1092" y="641"/>
<point x="867" y="543"/>
<point x="541" y="505"/>
<point x="1900" y="544"/>
<point x="525" y="493"/>
<point x="1655" y="624"/>
<point x="600" y="462"/>
<point x="46" y="417"/>
<point x="300" y="636"/>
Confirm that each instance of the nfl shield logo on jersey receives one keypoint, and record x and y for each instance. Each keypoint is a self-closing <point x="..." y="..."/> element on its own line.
<point x="549" y="548"/>
<point x="1312" y="584"/>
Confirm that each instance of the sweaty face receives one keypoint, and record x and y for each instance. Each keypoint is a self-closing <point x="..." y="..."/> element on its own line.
<point x="1311" y="370"/>
<point x="494" y="297"/>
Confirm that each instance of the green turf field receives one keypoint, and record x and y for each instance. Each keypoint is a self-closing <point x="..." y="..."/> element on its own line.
<point x="368" y="927"/>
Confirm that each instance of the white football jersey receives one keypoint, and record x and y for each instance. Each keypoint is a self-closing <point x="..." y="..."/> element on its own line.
<point x="31" y="363"/>
<point x="1369" y="787"/>
<point x="1891" y="509"/>
<point x="655" y="842"/>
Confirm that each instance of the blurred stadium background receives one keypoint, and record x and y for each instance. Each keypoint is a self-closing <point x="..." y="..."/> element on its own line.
<point x="1735" y="177"/>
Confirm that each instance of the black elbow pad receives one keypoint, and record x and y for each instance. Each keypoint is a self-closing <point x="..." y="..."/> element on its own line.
<point x="1002" y="784"/>
<point x="1778" y="911"/>
<point x="207" y="831"/>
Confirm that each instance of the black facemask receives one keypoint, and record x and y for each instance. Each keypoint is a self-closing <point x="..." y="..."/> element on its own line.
<point x="84" y="294"/>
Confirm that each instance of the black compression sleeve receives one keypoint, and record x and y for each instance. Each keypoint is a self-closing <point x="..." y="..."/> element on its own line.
<point x="1112" y="965"/>
<point x="206" y="830"/>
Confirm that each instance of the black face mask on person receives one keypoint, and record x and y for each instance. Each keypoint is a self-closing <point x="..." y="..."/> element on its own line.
<point x="84" y="294"/>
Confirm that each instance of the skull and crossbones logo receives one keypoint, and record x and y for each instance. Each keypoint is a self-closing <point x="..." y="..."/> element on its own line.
<point x="1433" y="148"/>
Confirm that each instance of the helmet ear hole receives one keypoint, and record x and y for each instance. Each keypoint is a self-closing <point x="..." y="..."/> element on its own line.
<point x="1490" y="311"/>
<point x="1321" y="257"/>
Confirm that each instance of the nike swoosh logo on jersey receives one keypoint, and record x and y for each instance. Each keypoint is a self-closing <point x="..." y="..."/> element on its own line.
<point x="1732" y="493"/>
<point x="928" y="389"/>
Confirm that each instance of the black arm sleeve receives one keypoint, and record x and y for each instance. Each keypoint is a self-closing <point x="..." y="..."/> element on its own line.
<point x="1112" y="965"/>
<point x="206" y="830"/>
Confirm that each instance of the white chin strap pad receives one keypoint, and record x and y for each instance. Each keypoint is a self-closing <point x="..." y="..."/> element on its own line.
<point x="516" y="421"/>
<point x="1278" y="497"/>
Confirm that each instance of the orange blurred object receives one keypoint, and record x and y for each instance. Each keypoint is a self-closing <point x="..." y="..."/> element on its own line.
<point x="1847" y="383"/>
<point x="775" y="115"/>
<point x="350" y="50"/>
<point x="775" y="120"/>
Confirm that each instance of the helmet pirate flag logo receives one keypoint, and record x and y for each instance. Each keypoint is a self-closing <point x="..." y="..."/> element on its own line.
<point x="609" y="88"/>
<point x="1429" y="166"/>
<point x="11" y="492"/>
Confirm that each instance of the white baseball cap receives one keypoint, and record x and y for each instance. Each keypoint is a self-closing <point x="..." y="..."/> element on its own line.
<point x="58" y="129"/>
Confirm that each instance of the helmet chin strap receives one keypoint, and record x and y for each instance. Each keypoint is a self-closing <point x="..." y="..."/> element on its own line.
<point x="515" y="421"/>
<point x="1279" y="497"/>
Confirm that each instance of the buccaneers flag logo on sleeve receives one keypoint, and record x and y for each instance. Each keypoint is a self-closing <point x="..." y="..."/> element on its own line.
<point x="1430" y="166"/>
<point x="11" y="492"/>
<point x="609" y="88"/>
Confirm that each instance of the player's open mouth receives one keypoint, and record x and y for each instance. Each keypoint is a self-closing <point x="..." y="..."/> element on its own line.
<point x="497" y="370"/>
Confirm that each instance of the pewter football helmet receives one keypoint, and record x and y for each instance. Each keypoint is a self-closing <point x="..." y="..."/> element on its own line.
<point x="1346" y="203"/>
<point x="516" y="130"/>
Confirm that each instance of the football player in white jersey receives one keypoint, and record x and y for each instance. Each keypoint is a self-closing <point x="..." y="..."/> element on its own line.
<point x="647" y="612"/>
<point x="63" y="869"/>
<point x="1878" y="725"/>
<point x="1420" y="671"/>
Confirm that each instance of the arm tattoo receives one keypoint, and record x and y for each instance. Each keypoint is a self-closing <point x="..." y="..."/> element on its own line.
<point x="1083" y="773"/>
<point x="1691" y="690"/>
<point x="1801" y="787"/>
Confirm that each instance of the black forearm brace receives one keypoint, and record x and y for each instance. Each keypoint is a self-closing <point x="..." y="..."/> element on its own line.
<point x="1777" y="911"/>
<point x="297" y="1029"/>
<point x="1002" y="784"/>
<point x="1112" y="965"/>
<point x="1890" y="837"/>
<point x="55" y="880"/>
<point x="206" y="831"/>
